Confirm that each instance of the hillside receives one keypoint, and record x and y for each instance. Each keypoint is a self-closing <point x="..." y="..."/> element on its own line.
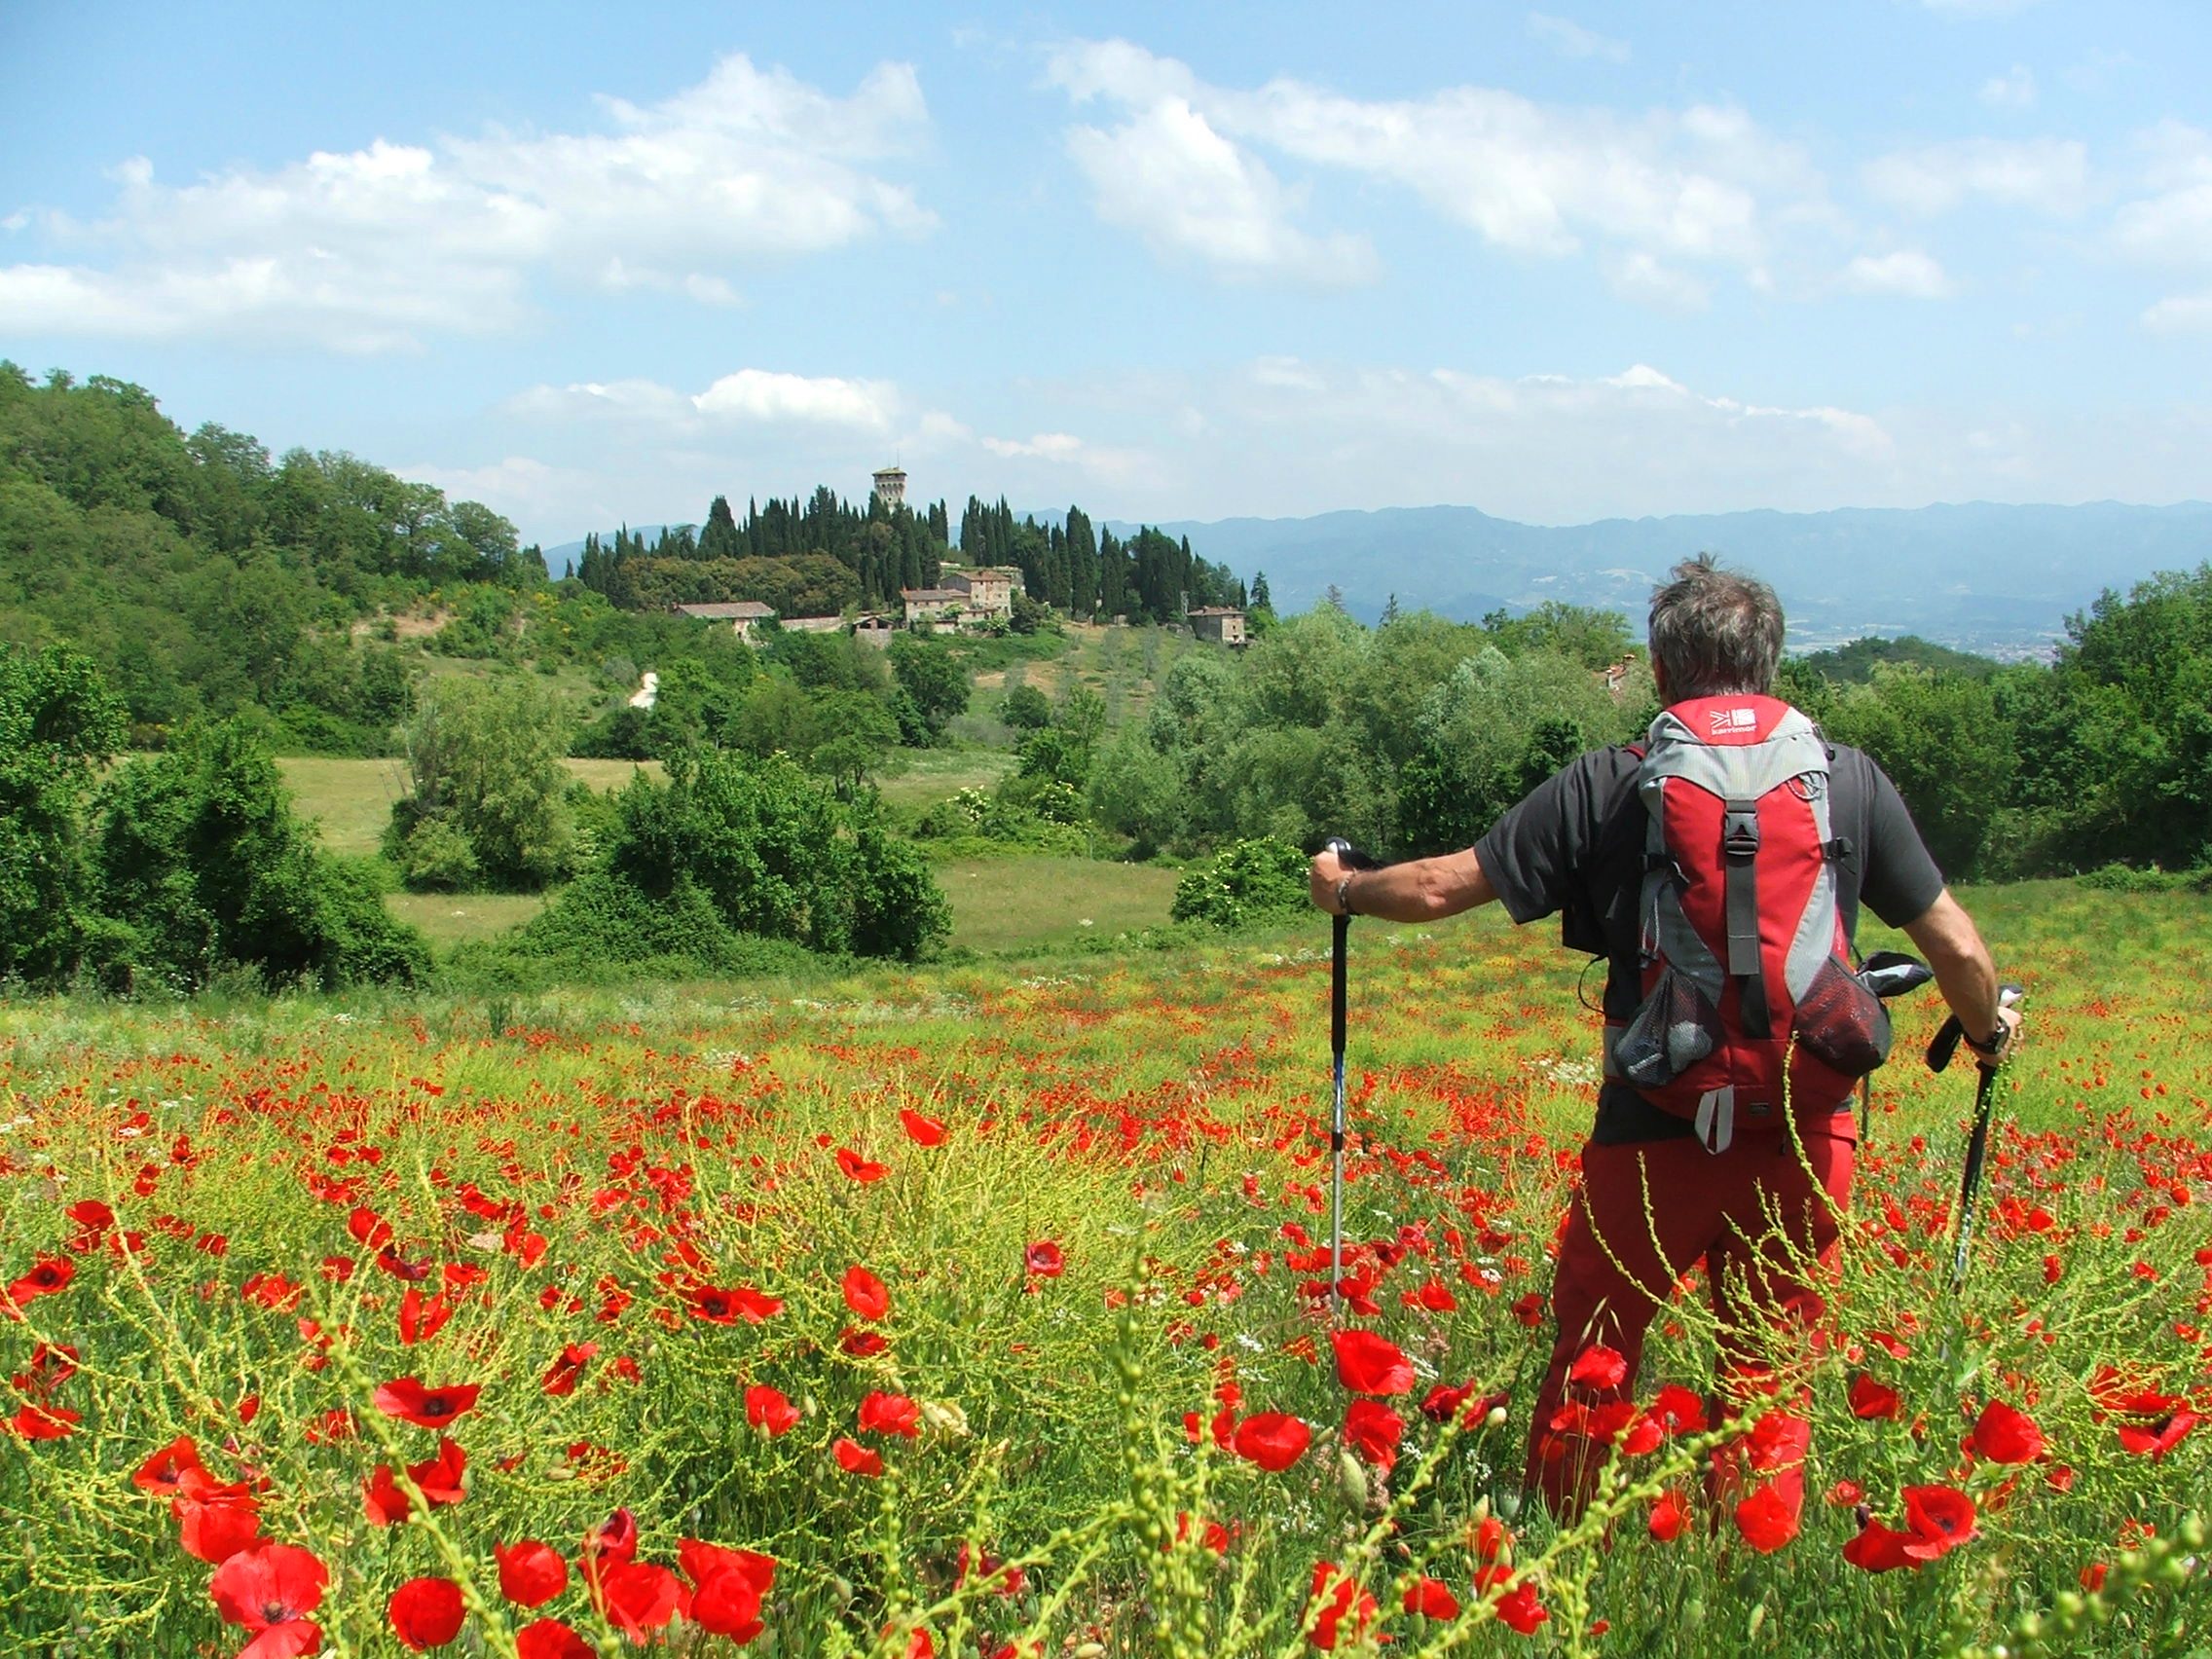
<point x="1980" y="576"/>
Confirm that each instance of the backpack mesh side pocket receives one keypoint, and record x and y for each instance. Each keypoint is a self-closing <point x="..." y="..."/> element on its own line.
<point x="1674" y="1029"/>
<point x="1841" y="1023"/>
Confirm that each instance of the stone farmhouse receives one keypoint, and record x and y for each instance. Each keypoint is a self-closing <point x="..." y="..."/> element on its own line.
<point x="743" y="614"/>
<point x="1224" y="624"/>
<point x="963" y="599"/>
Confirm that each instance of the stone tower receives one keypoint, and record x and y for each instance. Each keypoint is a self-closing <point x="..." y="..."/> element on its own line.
<point x="891" y="485"/>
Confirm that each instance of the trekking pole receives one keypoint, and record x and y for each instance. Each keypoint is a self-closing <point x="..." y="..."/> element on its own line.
<point x="1351" y="859"/>
<point x="1939" y="1053"/>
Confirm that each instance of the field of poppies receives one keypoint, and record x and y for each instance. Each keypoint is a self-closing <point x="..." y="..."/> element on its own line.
<point x="985" y="1310"/>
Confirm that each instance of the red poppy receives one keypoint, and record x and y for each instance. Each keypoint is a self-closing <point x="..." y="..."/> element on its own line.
<point x="425" y="1613"/>
<point x="1373" y="1430"/>
<point x="1940" y="1517"/>
<point x="1677" y="1411"/>
<point x="1777" y="1440"/>
<point x="2004" y="1434"/>
<point x="767" y="1409"/>
<point x="530" y="1573"/>
<point x="728" y="1587"/>
<point x="268" y="1586"/>
<point x="890" y="1413"/>
<point x="614" y="1538"/>
<point x="861" y="1170"/>
<point x="421" y="1317"/>
<point x="52" y="1364"/>
<point x="1669" y="1515"/>
<point x="49" y="1275"/>
<point x="1274" y="1440"/>
<point x="385" y="1503"/>
<point x="2156" y="1439"/>
<point x="728" y="1306"/>
<point x="862" y="1344"/>
<point x="1341" y="1608"/>
<point x="565" y="1372"/>
<point x="1044" y="1260"/>
<point x="921" y="1131"/>
<point x="636" y="1595"/>
<point x="1873" y="1399"/>
<point x="855" y="1459"/>
<point x="1879" y="1549"/>
<point x="37" y="1421"/>
<point x="1598" y="1369"/>
<point x="1518" y="1608"/>
<point x="285" y="1641"/>
<point x="550" y="1638"/>
<point x="865" y="1294"/>
<point x="215" y="1531"/>
<point x="426" y="1408"/>
<point x="1766" y="1520"/>
<point x="440" y="1477"/>
<point x="91" y="1214"/>
<point x="1369" y="1364"/>
<point x="1530" y="1309"/>
<point x="163" y="1473"/>
<point x="1431" y="1598"/>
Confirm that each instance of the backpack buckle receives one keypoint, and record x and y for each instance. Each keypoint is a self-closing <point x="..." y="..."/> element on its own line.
<point x="1740" y="830"/>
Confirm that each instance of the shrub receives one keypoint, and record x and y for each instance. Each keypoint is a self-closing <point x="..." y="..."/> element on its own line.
<point x="1245" y="882"/>
<point x="487" y="753"/>
<point x="436" y="858"/>
<point x="201" y="865"/>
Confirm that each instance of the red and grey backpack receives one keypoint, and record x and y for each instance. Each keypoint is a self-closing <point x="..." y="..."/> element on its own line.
<point x="1749" y="1003"/>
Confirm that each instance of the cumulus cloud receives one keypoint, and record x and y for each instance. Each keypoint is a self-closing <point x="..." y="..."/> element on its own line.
<point x="2168" y="226"/>
<point x="1698" y="184"/>
<point x="1168" y="175"/>
<point x="2015" y="88"/>
<point x="1570" y="39"/>
<point x="2050" y="175"/>
<point x="1063" y="449"/>
<point x="1907" y="272"/>
<point x="758" y="396"/>
<point x="382" y="247"/>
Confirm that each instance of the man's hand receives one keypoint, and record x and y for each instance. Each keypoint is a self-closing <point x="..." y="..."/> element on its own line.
<point x="2007" y="1041"/>
<point x="1322" y="877"/>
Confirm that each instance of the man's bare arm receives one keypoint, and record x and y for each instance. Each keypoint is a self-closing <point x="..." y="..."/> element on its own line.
<point x="1945" y="935"/>
<point x="1421" y="890"/>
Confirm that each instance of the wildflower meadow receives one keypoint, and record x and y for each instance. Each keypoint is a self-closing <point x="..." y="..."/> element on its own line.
<point x="979" y="1309"/>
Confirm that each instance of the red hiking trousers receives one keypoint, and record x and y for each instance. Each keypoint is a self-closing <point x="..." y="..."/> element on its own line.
<point x="1618" y="1265"/>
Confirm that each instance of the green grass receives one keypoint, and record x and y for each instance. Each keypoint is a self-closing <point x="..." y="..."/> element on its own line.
<point x="351" y="799"/>
<point x="448" y="919"/>
<point x="932" y="775"/>
<point x="1013" y="904"/>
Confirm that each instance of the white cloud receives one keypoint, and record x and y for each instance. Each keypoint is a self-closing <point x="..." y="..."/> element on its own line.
<point x="1571" y="40"/>
<point x="2048" y="174"/>
<point x="1063" y="449"/>
<point x="2180" y="314"/>
<point x="1168" y="175"/>
<point x="1907" y="272"/>
<point x="757" y="394"/>
<point x="2015" y="88"/>
<point x="2169" y="227"/>
<point x="375" y="249"/>
<point x="1641" y="278"/>
<point x="1698" y="184"/>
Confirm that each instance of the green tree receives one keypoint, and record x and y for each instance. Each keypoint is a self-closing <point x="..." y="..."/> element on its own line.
<point x="1938" y="736"/>
<point x="487" y="753"/>
<point x="59" y="726"/>
<point x="932" y="678"/>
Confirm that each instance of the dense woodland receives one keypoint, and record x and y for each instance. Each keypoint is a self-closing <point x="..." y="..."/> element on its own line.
<point x="175" y="610"/>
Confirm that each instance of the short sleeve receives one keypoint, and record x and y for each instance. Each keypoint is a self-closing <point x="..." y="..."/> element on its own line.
<point x="1900" y="879"/>
<point x="1533" y="854"/>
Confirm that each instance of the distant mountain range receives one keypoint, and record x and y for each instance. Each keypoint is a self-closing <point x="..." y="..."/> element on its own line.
<point x="1979" y="576"/>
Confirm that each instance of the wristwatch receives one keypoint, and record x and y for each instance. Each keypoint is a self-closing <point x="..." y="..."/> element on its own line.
<point x="1995" y="1048"/>
<point x="1343" y="897"/>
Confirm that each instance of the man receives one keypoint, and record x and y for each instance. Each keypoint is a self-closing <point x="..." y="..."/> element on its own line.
<point x="1659" y="1190"/>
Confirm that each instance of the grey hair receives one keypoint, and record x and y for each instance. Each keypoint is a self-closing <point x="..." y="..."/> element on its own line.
<point x="1714" y="633"/>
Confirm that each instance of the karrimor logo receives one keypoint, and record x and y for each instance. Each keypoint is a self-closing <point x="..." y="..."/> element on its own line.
<point x="1722" y="722"/>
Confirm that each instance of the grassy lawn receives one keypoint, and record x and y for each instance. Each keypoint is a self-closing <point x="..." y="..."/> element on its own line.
<point x="352" y="798"/>
<point x="938" y="774"/>
<point x="449" y="918"/>
<point x="1007" y="903"/>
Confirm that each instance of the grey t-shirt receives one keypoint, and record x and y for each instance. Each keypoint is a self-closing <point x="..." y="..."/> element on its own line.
<point x="1574" y="845"/>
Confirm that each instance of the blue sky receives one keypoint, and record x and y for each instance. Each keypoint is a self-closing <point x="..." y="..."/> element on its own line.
<point x="1167" y="261"/>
